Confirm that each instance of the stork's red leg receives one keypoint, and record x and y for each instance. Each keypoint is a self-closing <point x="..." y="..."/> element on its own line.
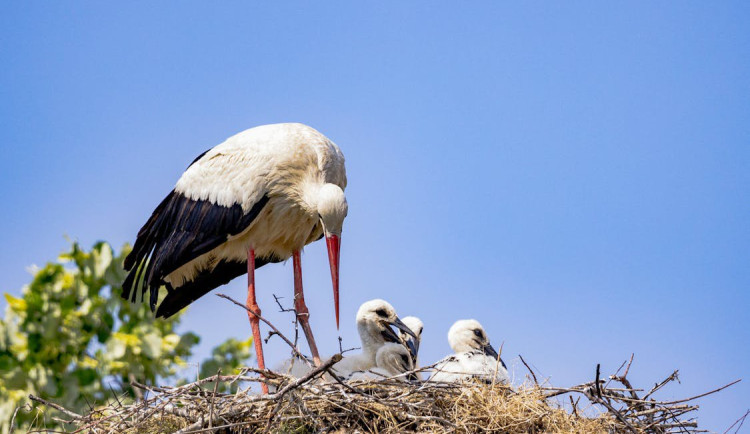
<point x="253" y="306"/>
<point x="303" y="315"/>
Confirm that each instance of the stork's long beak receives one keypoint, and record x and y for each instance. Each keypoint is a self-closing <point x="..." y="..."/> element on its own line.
<point x="333" y="242"/>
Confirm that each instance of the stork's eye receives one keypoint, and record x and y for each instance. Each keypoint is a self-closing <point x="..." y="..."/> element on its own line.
<point x="478" y="333"/>
<point x="381" y="312"/>
<point x="405" y="359"/>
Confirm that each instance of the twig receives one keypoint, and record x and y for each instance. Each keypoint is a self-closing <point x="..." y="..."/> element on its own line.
<point x="612" y="377"/>
<point x="211" y="406"/>
<point x="614" y="411"/>
<point x="56" y="407"/>
<point x="741" y="421"/>
<point x="300" y="381"/>
<point x="674" y="376"/>
<point x="628" y="368"/>
<point x="573" y="405"/>
<point x="307" y="377"/>
<point x="702" y="394"/>
<point x="529" y="368"/>
<point x="137" y="392"/>
<point x="13" y="419"/>
<point x="282" y="308"/>
<point x="295" y="321"/>
<point x="281" y="335"/>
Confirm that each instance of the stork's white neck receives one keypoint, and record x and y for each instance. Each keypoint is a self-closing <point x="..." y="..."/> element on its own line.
<point x="327" y="201"/>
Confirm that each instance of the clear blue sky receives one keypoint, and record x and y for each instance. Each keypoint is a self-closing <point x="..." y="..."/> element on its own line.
<point x="576" y="176"/>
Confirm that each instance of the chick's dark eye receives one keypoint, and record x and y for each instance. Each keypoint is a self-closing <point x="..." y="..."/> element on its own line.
<point x="404" y="358"/>
<point x="381" y="312"/>
<point x="478" y="333"/>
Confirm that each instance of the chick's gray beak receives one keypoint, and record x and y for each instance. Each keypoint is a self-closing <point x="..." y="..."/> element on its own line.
<point x="389" y="335"/>
<point x="413" y="346"/>
<point x="488" y="350"/>
<point x="411" y="342"/>
<point x="401" y="326"/>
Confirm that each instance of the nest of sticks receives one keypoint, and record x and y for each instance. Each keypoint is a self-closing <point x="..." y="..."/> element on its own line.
<point x="314" y="404"/>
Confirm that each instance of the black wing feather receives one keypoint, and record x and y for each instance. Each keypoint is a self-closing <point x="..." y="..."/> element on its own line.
<point x="205" y="281"/>
<point x="179" y="230"/>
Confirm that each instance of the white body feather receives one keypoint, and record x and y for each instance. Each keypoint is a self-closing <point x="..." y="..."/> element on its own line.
<point x="391" y="360"/>
<point x="468" y="338"/>
<point x="467" y="365"/>
<point x="370" y="327"/>
<point x="289" y="163"/>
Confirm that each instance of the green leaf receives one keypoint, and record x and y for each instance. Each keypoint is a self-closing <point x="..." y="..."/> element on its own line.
<point x="17" y="304"/>
<point x="70" y="334"/>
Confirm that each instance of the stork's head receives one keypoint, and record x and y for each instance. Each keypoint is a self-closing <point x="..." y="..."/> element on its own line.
<point x="415" y="325"/>
<point x="332" y="209"/>
<point x="394" y="358"/>
<point x="374" y="321"/>
<point x="468" y="335"/>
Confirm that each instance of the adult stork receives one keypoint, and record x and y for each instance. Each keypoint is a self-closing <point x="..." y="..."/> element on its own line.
<point x="257" y="198"/>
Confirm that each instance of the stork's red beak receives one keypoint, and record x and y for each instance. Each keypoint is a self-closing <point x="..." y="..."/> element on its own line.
<point x="334" y="247"/>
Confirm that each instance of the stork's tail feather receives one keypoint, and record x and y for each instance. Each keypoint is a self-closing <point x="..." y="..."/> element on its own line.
<point x="203" y="283"/>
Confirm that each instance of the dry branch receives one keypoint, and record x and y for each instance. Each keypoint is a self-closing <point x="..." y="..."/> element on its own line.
<point x="301" y="404"/>
<point x="388" y="405"/>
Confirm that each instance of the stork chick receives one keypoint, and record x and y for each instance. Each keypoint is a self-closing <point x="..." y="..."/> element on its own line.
<point x="374" y="319"/>
<point x="391" y="360"/>
<point x="474" y="356"/>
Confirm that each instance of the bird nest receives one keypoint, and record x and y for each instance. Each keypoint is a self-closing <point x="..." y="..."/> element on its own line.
<point x="320" y="401"/>
<point x="310" y="404"/>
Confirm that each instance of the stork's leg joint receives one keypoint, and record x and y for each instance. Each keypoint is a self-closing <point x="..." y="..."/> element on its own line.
<point x="252" y="305"/>
<point x="299" y="305"/>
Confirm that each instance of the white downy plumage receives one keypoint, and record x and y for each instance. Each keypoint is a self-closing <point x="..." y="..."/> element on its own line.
<point x="474" y="356"/>
<point x="415" y="324"/>
<point x="391" y="360"/>
<point x="374" y="319"/>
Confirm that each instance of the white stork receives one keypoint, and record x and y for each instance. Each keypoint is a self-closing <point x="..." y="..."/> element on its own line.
<point x="474" y="356"/>
<point x="391" y="360"/>
<point x="374" y="319"/>
<point x="259" y="197"/>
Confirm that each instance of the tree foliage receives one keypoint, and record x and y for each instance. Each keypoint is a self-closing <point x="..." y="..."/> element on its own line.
<point x="72" y="339"/>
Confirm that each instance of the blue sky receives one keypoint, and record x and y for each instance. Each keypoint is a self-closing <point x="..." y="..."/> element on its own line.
<point x="573" y="175"/>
